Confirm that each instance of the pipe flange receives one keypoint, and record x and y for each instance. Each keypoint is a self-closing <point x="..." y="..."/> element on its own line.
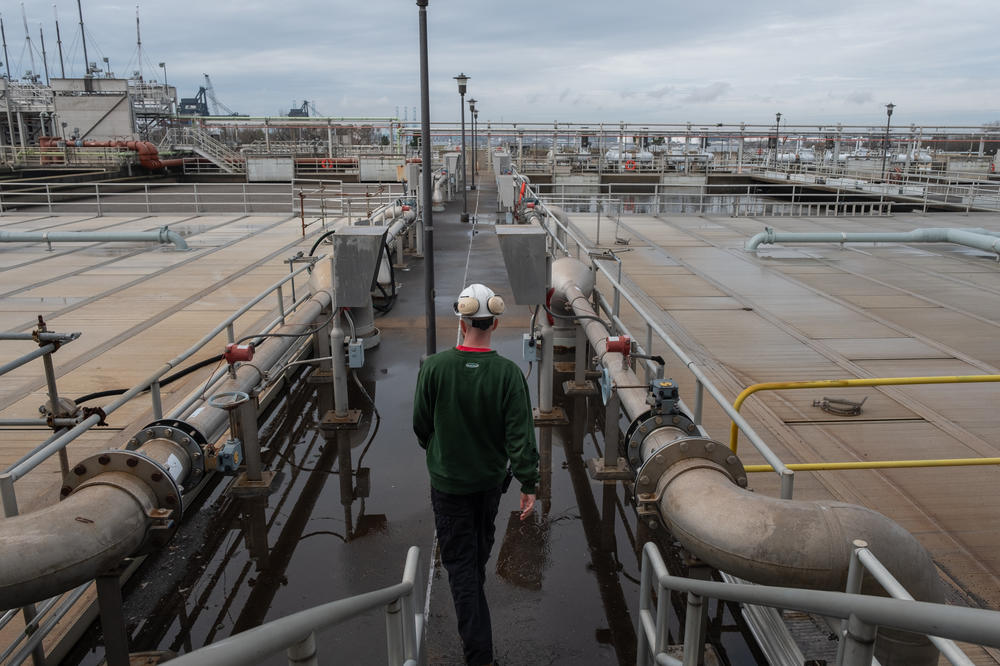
<point x="687" y="448"/>
<point x="162" y="525"/>
<point x="646" y="423"/>
<point x="158" y="479"/>
<point x="179" y="432"/>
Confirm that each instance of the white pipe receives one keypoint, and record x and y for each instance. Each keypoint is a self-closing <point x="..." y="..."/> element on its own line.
<point x="964" y="237"/>
<point x="161" y="235"/>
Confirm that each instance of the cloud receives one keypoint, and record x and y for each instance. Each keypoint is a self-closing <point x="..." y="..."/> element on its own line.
<point x="659" y="93"/>
<point x="859" y="97"/>
<point x="709" y="93"/>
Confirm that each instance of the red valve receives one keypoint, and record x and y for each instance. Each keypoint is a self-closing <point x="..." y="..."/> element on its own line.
<point x="405" y="208"/>
<point x="620" y="344"/>
<point x="530" y="204"/>
<point x="235" y="352"/>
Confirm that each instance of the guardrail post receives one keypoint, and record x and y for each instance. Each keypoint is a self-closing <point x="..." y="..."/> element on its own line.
<point x="7" y="495"/>
<point x="154" y="393"/>
<point x="48" y="197"/>
<point x="246" y="207"/>
<point x="281" y="303"/>
<point x="855" y="574"/>
<point x="394" y="632"/>
<point x="97" y="198"/>
<point x="50" y="380"/>
<point x="303" y="653"/>
<point x="859" y="643"/>
<point x="146" y="192"/>
<point x="195" y="192"/>
<point x="694" y="630"/>
<point x="787" y="483"/>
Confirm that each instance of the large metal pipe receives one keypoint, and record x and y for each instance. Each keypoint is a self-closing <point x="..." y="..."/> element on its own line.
<point x="966" y="237"/>
<point x="110" y="515"/>
<point x="161" y="235"/>
<point x="759" y="538"/>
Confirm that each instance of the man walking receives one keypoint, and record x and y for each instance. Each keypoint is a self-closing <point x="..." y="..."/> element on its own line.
<point x="472" y="414"/>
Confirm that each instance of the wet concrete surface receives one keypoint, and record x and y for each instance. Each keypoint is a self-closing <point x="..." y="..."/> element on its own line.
<point x="563" y="588"/>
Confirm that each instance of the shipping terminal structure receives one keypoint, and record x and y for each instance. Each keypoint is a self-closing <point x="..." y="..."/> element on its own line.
<point x="763" y="361"/>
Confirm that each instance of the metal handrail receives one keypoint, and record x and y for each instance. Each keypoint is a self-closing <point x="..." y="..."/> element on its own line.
<point x="296" y="632"/>
<point x="841" y="383"/>
<point x="973" y="625"/>
<point x="21" y="468"/>
<point x="862" y="557"/>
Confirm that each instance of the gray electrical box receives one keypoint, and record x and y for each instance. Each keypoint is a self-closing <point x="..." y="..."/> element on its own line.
<point x="356" y="251"/>
<point x="412" y="175"/>
<point x="505" y="191"/>
<point x="523" y="248"/>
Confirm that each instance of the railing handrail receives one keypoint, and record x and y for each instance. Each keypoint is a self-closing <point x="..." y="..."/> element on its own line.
<point x="252" y="645"/>
<point x="972" y="625"/>
<point x="19" y="469"/>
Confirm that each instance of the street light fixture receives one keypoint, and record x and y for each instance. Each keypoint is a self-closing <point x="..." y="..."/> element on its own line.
<point x="463" y="80"/>
<point x="777" y="125"/>
<point x="475" y="145"/>
<point x="885" y="153"/>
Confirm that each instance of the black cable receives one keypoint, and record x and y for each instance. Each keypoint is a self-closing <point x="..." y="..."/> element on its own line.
<point x="391" y="298"/>
<point x="163" y="382"/>
<point x="605" y="324"/>
<point x="320" y="240"/>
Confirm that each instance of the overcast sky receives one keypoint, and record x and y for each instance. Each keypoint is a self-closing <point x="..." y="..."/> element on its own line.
<point x="586" y="61"/>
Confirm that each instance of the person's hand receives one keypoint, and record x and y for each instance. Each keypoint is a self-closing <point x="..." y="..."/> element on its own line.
<point x="527" y="505"/>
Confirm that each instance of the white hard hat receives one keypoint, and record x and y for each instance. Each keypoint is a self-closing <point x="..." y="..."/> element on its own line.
<point x="477" y="301"/>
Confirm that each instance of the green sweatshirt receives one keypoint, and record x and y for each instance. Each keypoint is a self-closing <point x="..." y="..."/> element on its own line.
<point x="472" y="413"/>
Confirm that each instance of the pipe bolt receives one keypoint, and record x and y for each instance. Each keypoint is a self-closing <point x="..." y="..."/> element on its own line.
<point x="684" y="446"/>
<point x="709" y="447"/>
<point x="644" y="479"/>
<point x="156" y="476"/>
<point x="168" y="432"/>
<point x="133" y="442"/>
<point x="79" y="470"/>
<point x="104" y="460"/>
<point x="65" y="490"/>
<point x="742" y="482"/>
<point x="675" y="420"/>
<point x="658" y="458"/>
<point x="642" y="429"/>
<point x="131" y="462"/>
<point x="731" y="460"/>
<point x="652" y="524"/>
<point x="659" y="420"/>
<point x="171" y="499"/>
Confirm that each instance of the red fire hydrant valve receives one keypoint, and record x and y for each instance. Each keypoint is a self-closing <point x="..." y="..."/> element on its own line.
<point x="620" y="344"/>
<point x="235" y="352"/>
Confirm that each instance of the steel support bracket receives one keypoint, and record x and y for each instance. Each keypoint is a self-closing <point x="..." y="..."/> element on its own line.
<point x="569" y="367"/>
<point x="556" y="417"/>
<point x="331" y="421"/>
<point x="571" y="388"/>
<point x="320" y="377"/>
<point x="243" y="487"/>
<point x="599" y="472"/>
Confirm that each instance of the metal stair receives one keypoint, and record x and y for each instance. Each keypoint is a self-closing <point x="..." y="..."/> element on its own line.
<point x="197" y="140"/>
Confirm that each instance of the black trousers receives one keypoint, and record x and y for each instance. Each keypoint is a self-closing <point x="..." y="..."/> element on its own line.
<point x="465" y="531"/>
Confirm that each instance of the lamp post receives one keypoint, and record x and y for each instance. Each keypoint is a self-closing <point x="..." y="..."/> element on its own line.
<point x="426" y="210"/>
<point x="885" y="153"/>
<point x="473" y="113"/>
<point x="777" y="125"/>
<point x="463" y="80"/>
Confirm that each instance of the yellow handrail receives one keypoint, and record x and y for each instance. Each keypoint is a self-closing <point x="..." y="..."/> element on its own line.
<point x="878" y="464"/>
<point x="734" y="431"/>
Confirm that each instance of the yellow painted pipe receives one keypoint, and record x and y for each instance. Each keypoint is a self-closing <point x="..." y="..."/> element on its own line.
<point x="878" y="464"/>
<point x="734" y="431"/>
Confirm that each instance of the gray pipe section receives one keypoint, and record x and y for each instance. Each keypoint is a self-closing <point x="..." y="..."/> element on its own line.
<point x="161" y="235"/>
<point x="968" y="238"/>
<point x="213" y="421"/>
<point x="64" y="545"/>
<point x="752" y="536"/>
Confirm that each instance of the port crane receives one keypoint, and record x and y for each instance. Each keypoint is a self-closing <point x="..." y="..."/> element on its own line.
<point x="216" y="104"/>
